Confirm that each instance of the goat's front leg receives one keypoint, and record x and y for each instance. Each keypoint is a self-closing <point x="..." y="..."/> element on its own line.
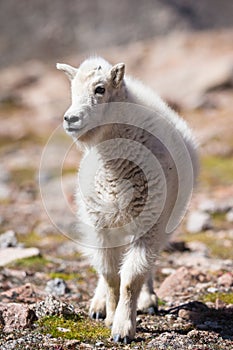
<point x="133" y="273"/>
<point x="106" y="262"/>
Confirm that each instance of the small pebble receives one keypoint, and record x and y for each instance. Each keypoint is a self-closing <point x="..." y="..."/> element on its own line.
<point x="99" y="343"/>
<point x="56" y="286"/>
<point x="229" y="216"/>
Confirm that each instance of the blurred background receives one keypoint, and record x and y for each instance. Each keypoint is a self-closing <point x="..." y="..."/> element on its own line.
<point x="181" y="48"/>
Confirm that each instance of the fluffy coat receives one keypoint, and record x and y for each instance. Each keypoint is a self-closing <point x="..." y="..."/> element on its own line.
<point x="127" y="193"/>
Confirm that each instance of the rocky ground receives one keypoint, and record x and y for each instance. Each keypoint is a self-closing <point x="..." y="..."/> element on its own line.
<point x="45" y="284"/>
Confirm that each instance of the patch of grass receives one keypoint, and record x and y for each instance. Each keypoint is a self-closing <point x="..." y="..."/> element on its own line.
<point x="161" y="302"/>
<point x="225" y="297"/>
<point x="92" y="270"/>
<point x="66" y="276"/>
<point x="22" y="175"/>
<point x="68" y="171"/>
<point x="216" y="170"/>
<point x="219" y="221"/>
<point x="35" y="263"/>
<point x="73" y="327"/>
<point x="31" y="239"/>
<point x="217" y="247"/>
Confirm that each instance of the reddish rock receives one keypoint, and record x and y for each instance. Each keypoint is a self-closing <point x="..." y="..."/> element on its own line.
<point x="226" y="279"/>
<point x="16" y="316"/>
<point x="175" y="283"/>
<point x="194" y="312"/>
<point x="188" y="315"/>
<point x="26" y="293"/>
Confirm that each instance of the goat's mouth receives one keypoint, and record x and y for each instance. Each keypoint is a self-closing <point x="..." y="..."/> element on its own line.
<point x="70" y="129"/>
<point x="73" y="127"/>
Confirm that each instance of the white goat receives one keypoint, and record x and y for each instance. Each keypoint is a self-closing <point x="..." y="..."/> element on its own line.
<point x="118" y="178"/>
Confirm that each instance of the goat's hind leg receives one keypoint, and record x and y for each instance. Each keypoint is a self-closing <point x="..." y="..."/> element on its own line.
<point x="98" y="303"/>
<point x="148" y="301"/>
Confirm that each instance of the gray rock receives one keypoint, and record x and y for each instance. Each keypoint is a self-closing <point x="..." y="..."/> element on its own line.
<point x="4" y="175"/>
<point x="212" y="207"/>
<point x="229" y="216"/>
<point x="198" y="221"/>
<point x="52" y="306"/>
<point x="4" y="191"/>
<point x="8" y="239"/>
<point x="56" y="286"/>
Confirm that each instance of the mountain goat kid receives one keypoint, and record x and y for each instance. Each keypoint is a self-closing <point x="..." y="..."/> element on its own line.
<point x="135" y="180"/>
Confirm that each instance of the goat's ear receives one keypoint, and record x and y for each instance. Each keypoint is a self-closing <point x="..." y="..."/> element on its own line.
<point x="67" y="69"/>
<point x="117" y="74"/>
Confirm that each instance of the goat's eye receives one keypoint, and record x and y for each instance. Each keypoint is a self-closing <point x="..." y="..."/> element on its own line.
<point x="99" y="90"/>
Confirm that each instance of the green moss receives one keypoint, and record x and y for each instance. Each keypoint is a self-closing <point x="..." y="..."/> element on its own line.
<point x="22" y="175"/>
<point x="225" y="297"/>
<point x="66" y="276"/>
<point x="36" y="263"/>
<point x="91" y="269"/>
<point x="161" y="302"/>
<point x="74" y="328"/>
<point x="217" y="247"/>
<point x="68" y="171"/>
<point x="220" y="222"/>
<point x="216" y="170"/>
<point x="31" y="239"/>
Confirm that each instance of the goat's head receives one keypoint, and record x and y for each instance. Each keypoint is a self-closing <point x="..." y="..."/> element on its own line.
<point x="94" y="82"/>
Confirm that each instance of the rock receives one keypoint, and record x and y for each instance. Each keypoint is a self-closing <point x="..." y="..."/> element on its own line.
<point x="99" y="344"/>
<point x="199" y="260"/>
<point x="212" y="290"/>
<point x="175" y="283"/>
<point x="198" y="221"/>
<point x="226" y="279"/>
<point x="56" y="286"/>
<point x="4" y="191"/>
<point x="8" y="255"/>
<point x="188" y="315"/>
<point x="212" y="207"/>
<point x="229" y="216"/>
<point x="200" y="249"/>
<point x="8" y="239"/>
<point x="52" y="306"/>
<point x="4" y="175"/>
<point x="16" y="316"/>
<point x="193" y="312"/>
<point x="26" y="293"/>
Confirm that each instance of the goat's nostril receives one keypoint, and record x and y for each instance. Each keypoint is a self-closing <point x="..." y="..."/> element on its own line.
<point x="73" y="119"/>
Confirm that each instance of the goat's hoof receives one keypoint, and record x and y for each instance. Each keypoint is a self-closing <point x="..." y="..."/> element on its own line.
<point x="118" y="339"/>
<point x="152" y="310"/>
<point x="97" y="315"/>
<point x="127" y="340"/>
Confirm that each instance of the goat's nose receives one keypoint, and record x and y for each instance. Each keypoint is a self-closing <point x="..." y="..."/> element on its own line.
<point x="71" y="118"/>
